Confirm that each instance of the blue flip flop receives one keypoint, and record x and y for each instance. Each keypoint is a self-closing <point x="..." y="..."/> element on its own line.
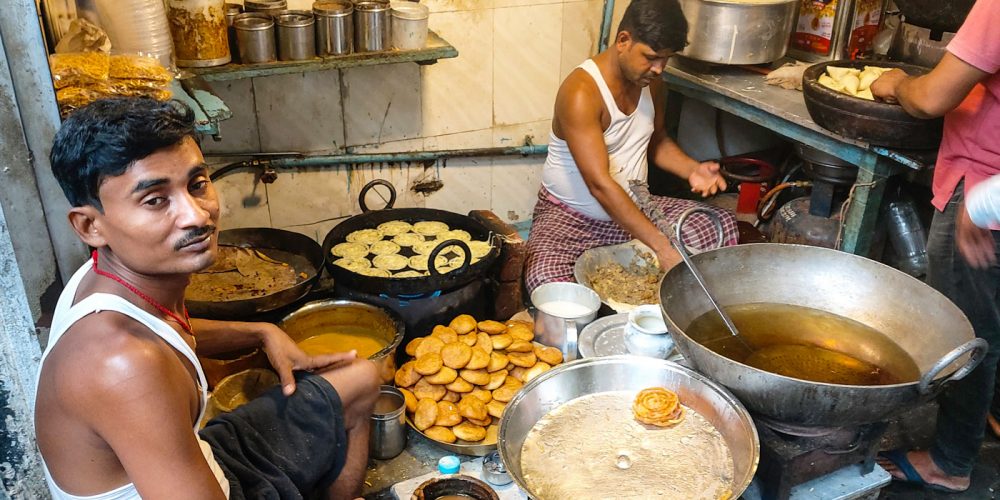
<point x="898" y="458"/>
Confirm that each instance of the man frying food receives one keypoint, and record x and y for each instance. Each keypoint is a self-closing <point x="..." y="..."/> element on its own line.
<point x="605" y="127"/>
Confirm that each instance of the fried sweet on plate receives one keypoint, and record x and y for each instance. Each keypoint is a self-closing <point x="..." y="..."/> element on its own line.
<point x="491" y="327"/>
<point x="447" y="415"/>
<point x="424" y="389"/>
<point x="539" y="368"/>
<point x="469" y="432"/>
<point x="520" y="346"/>
<point x="429" y="345"/>
<point x="550" y="355"/>
<point x="411" y="346"/>
<point x="452" y="396"/>
<point x="521" y="332"/>
<point x="475" y="377"/>
<point x="460" y="385"/>
<point x="658" y="406"/>
<point x="495" y="408"/>
<point x="447" y="335"/>
<point x="442" y="434"/>
<point x="406" y="376"/>
<point x="426" y="414"/>
<point x="522" y="359"/>
<point x="428" y="364"/>
<point x="456" y="355"/>
<point x="482" y="394"/>
<point x="501" y="341"/>
<point x="470" y="339"/>
<point x="496" y="380"/>
<point x="444" y="376"/>
<point x="483" y="342"/>
<point x="498" y="361"/>
<point x="409" y="399"/>
<point x="472" y="407"/>
<point x="463" y="324"/>
<point x="479" y="359"/>
<point x="505" y="393"/>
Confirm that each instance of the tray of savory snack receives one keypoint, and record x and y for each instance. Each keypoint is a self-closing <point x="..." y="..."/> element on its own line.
<point x="462" y="375"/>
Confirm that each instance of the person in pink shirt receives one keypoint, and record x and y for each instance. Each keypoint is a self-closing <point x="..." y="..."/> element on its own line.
<point x="964" y="88"/>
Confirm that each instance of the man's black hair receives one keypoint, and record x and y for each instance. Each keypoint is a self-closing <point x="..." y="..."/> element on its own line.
<point x="657" y="23"/>
<point x="106" y="137"/>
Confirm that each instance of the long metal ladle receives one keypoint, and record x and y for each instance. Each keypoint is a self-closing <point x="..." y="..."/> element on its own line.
<point x="677" y="239"/>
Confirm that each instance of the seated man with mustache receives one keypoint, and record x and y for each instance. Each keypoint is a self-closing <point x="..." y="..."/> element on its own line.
<point x="120" y="390"/>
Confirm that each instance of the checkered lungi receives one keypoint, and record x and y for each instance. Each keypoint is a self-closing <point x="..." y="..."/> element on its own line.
<point x="560" y="234"/>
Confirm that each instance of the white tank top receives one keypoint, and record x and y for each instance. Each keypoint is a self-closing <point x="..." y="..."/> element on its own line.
<point x="627" y="139"/>
<point x="66" y="314"/>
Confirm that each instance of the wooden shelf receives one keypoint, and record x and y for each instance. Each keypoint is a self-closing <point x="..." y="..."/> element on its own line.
<point x="437" y="48"/>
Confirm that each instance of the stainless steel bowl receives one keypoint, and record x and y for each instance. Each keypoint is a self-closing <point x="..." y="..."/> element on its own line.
<point x="624" y="373"/>
<point x="731" y="32"/>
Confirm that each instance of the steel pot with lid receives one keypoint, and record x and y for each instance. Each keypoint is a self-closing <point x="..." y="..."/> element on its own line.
<point x="914" y="317"/>
<point x="738" y="31"/>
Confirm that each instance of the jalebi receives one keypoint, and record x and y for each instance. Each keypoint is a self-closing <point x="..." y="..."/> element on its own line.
<point x="658" y="406"/>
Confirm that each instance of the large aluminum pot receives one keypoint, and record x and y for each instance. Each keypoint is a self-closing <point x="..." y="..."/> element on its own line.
<point x="323" y="316"/>
<point x="924" y="323"/>
<point x="738" y="32"/>
<point x="628" y="373"/>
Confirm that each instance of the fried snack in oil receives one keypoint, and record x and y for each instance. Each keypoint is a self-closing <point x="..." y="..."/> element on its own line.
<point x="495" y="408"/>
<point x="520" y="346"/>
<point x="460" y="385"/>
<point x="463" y="324"/>
<point x="498" y="361"/>
<point x="447" y="414"/>
<point x="429" y="345"/>
<point x="479" y="359"/>
<point x="483" y="342"/>
<point x="409" y="399"/>
<point x="658" y="406"/>
<point x="491" y="327"/>
<point x="550" y="355"/>
<point x="469" y="432"/>
<point x="428" y="364"/>
<point x="442" y="434"/>
<point x="241" y="273"/>
<point x="426" y="414"/>
<point x="522" y="359"/>
<point x="471" y="407"/>
<point x="406" y="376"/>
<point x="496" y="380"/>
<point x="444" y="376"/>
<point x="456" y="355"/>
<point x="501" y="341"/>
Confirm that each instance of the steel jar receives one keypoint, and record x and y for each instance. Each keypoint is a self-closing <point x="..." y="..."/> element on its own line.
<point x="255" y="37"/>
<point x="409" y="26"/>
<point x="388" y="429"/>
<point x="267" y="6"/>
<point x="296" y="35"/>
<point x="371" y="26"/>
<point x="334" y="27"/>
<point x="729" y="32"/>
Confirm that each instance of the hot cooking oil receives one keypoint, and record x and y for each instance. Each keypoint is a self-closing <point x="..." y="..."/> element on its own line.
<point x="807" y="344"/>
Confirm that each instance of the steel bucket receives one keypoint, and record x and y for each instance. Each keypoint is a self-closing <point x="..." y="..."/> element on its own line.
<point x="726" y="32"/>
<point x="924" y="323"/>
<point x="627" y="373"/>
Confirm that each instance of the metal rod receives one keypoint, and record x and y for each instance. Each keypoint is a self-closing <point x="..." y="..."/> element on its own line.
<point x="417" y="156"/>
<point x="609" y="12"/>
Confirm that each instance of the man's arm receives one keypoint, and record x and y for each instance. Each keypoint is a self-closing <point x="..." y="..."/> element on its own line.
<point x="934" y="94"/>
<point x="578" y="116"/>
<point x="216" y="337"/>
<point x="704" y="177"/>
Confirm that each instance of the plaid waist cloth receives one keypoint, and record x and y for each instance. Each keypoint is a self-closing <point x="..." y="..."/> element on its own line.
<point x="559" y="235"/>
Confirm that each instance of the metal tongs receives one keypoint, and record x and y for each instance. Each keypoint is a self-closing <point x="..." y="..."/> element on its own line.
<point x="677" y="239"/>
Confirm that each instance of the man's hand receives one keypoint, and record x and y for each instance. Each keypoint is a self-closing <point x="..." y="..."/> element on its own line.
<point x="706" y="179"/>
<point x="285" y="356"/>
<point x="668" y="257"/>
<point x="974" y="243"/>
<point x="886" y="85"/>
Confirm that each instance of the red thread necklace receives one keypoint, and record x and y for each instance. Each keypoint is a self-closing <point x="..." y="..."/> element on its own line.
<point x="186" y="325"/>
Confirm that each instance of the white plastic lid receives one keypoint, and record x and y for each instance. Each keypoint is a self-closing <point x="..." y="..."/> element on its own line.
<point x="449" y="465"/>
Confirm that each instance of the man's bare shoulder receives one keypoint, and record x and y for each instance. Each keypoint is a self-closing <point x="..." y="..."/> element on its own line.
<point x="578" y="101"/>
<point x="580" y="87"/>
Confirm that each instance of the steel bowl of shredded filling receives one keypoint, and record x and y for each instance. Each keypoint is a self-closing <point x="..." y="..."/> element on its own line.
<point x="624" y="276"/>
<point x="573" y="432"/>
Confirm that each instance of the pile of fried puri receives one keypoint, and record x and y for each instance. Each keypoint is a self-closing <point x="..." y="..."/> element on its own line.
<point x="462" y="376"/>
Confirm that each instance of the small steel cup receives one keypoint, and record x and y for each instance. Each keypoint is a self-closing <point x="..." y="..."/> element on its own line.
<point x="388" y="431"/>
<point x="559" y="327"/>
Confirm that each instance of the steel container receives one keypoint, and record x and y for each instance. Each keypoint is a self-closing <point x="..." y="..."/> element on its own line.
<point x="628" y="373"/>
<point x="920" y="320"/>
<point x="371" y="26"/>
<point x="334" y="27"/>
<point x="265" y="6"/>
<point x="388" y="429"/>
<point x="409" y="25"/>
<point x="296" y="35"/>
<point x="559" y="329"/>
<point x="255" y="37"/>
<point x="323" y="316"/>
<point x="732" y="32"/>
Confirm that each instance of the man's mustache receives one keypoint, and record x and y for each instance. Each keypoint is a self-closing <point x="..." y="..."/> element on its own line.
<point x="194" y="235"/>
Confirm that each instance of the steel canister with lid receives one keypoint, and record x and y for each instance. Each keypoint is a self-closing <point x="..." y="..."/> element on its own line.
<point x="267" y="6"/>
<point x="371" y="26"/>
<point x="255" y="37"/>
<point x="409" y="25"/>
<point x="232" y="10"/>
<point x="334" y="27"/>
<point x="296" y="35"/>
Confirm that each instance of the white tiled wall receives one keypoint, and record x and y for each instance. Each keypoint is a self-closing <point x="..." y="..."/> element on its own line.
<point x="499" y="91"/>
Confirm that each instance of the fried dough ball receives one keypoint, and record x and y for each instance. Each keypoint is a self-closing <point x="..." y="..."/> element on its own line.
<point x="498" y="361"/>
<point x="411" y="346"/>
<point x="456" y="355"/>
<point x="483" y="342"/>
<point x="459" y="385"/>
<point x="471" y="407"/>
<point x="491" y="327"/>
<point x="443" y="377"/>
<point x="495" y="408"/>
<point x="447" y="414"/>
<point x="428" y="364"/>
<point x="481" y="394"/>
<point x="539" y="368"/>
<point x="426" y="414"/>
<point x="445" y="334"/>
<point x="463" y="324"/>
<point x="496" y="380"/>
<point x="406" y="376"/>
<point x="442" y="434"/>
<point x="409" y="399"/>
<point x="520" y="346"/>
<point x="550" y="355"/>
<point x="469" y="339"/>
<point x="469" y="432"/>
<point x="424" y="389"/>
<point x="521" y="332"/>
<point x="524" y="359"/>
<point x="476" y="377"/>
<point x="501" y="341"/>
<point x="479" y="360"/>
<point x="429" y="345"/>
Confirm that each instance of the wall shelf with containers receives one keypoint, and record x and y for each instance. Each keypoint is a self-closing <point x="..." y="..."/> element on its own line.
<point x="268" y="40"/>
